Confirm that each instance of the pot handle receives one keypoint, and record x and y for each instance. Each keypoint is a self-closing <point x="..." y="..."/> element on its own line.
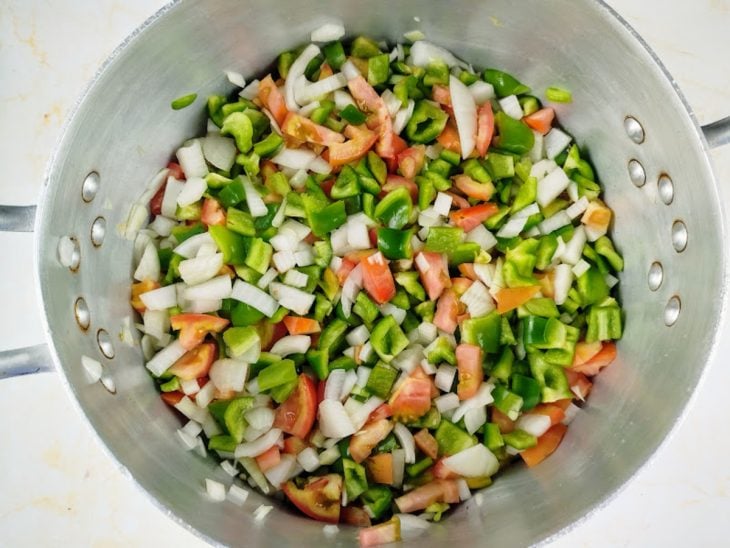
<point x="32" y="359"/>
<point x="717" y="133"/>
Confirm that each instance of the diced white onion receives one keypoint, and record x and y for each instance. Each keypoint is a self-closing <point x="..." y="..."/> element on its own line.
<point x="334" y="422"/>
<point x="295" y="278"/>
<point x="482" y="398"/>
<point x="330" y="530"/>
<point x="217" y="288"/>
<point x="205" y="395"/>
<point x="478" y="300"/>
<point x="250" y="91"/>
<point x="334" y="384"/>
<point x="480" y="235"/>
<point x="551" y="186"/>
<point x="363" y="374"/>
<point x="389" y="309"/>
<point x="424" y="53"/>
<point x="295" y="71"/>
<point x="308" y="459"/>
<point x="360" y="416"/>
<point x="442" y="204"/>
<point x="403" y="116"/>
<point x="237" y="495"/>
<point x="235" y="78"/>
<point x="411" y="526"/>
<point x="216" y="490"/>
<point x="219" y="151"/>
<point x="254" y="297"/>
<point x="191" y="159"/>
<point x="405" y="438"/>
<point x="577" y="209"/>
<point x="465" y="113"/>
<point x="475" y="462"/>
<point x="481" y="91"/>
<point x="256" y="205"/>
<point x="328" y="32"/>
<point x="190" y="387"/>
<point x="558" y="220"/>
<point x="561" y="283"/>
<point x="445" y="377"/>
<point x="149" y="265"/>
<point x="200" y="269"/>
<point x="228" y="374"/>
<point x="343" y="99"/>
<point x="574" y="248"/>
<point x="409" y="358"/>
<point x="190" y="247"/>
<point x="513" y="227"/>
<point x="319" y="89"/>
<point x="294" y="299"/>
<point x="188" y="441"/>
<point x="611" y="280"/>
<point x="187" y="407"/>
<point x="511" y="107"/>
<point x="162" y="225"/>
<point x="555" y="142"/>
<point x="203" y="306"/>
<point x="357" y="236"/>
<point x="161" y="298"/>
<point x="580" y="268"/>
<point x="542" y="168"/>
<point x="261" y="418"/>
<point x="573" y="191"/>
<point x="261" y="512"/>
<point x="284" y="261"/>
<point x="350" y="70"/>
<point x="291" y="344"/>
<point x="267" y="278"/>
<point x="537" y="152"/>
<point x="399" y="464"/>
<point x="259" y="445"/>
<point x="534" y="424"/>
<point x="358" y="336"/>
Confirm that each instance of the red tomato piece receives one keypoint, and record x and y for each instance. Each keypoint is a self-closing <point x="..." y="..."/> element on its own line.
<point x="447" y="310"/>
<point x="383" y="411"/>
<point x="385" y="533"/>
<point x="363" y="442"/>
<point x="449" y="138"/>
<point x="344" y="271"/>
<point x="319" y="498"/>
<point x="270" y="333"/>
<point x="377" y="278"/>
<point x="485" y="128"/>
<point x="469" y="363"/>
<point x="458" y="201"/>
<point x="212" y="213"/>
<point x="426" y="443"/>
<point x="541" y="120"/>
<point x="467" y="270"/>
<point x="301" y="326"/>
<point x="269" y="458"/>
<point x="474" y="189"/>
<point x="354" y="515"/>
<point x="441" y="471"/>
<point x="272" y="98"/>
<point x="412" y="399"/>
<point x="172" y="398"/>
<point x="361" y="140"/>
<point x="599" y="361"/>
<point x="506" y="425"/>
<point x="438" y="490"/>
<point x="195" y="363"/>
<point x="396" y="181"/>
<point x="304" y="129"/>
<point x="411" y="160"/>
<point x="194" y="327"/>
<point x="435" y="278"/>
<point x="176" y="171"/>
<point x="441" y="94"/>
<point x="156" y="201"/>
<point x="294" y="445"/>
<point x="546" y="445"/>
<point x="471" y="217"/>
<point x="296" y="415"/>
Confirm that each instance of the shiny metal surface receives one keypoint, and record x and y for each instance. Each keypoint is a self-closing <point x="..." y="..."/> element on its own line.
<point x="124" y="131"/>
<point x="17" y="218"/>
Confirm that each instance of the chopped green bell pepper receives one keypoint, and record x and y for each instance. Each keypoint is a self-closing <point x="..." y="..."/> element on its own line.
<point x="519" y="439"/>
<point x="387" y="339"/>
<point x="377" y="500"/>
<point x="394" y="210"/>
<point x="381" y="379"/>
<point x="426" y="123"/>
<point x="356" y="482"/>
<point x="519" y="264"/>
<point x="444" y="239"/>
<point x="409" y="282"/>
<point x="239" y="126"/>
<point x="441" y="351"/>
<point x="378" y="69"/>
<point x="353" y="115"/>
<point x="551" y="377"/>
<point x="239" y="340"/>
<point x="277" y="374"/>
<point x="493" y="437"/>
<point x="323" y="220"/>
<point x="528" y="389"/>
<point x="232" y="245"/>
<point x="451" y="439"/>
<point x="507" y="402"/>
<point x="484" y="331"/>
<point x="395" y="244"/>
<point x="514" y="135"/>
<point x="504" y="84"/>
<point x="335" y="54"/>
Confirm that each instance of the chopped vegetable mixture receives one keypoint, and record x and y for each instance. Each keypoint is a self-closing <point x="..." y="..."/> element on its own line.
<point x="377" y="279"/>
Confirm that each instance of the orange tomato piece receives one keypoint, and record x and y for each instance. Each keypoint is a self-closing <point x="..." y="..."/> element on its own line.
<point x="541" y="120"/>
<point x="546" y="445"/>
<point x="474" y="189"/>
<point x="363" y="441"/>
<point x="412" y="399"/>
<point x="268" y="459"/>
<point x="449" y="138"/>
<point x="447" y="310"/>
<point x="603" y="358"/>
<point x="212" y="213"/>
<point x="194" y="327"/>
<point x="510" y="298"/>
<point x="361" y="140"/>
<point x="435" y="277"/>
<point x="380" y="468"/>
<point x="506" y="425"/>
<point x="272" y="98"/>
<point x="469" y="365"/>
<point x="426" y="443"/>
<point x="301" y="326"/>
<point x="377" y="278"/>
<point x="195" y="363"/>
<point x="411" y="160"/>
<point x="485" y="128"/>
<point x="555" y="412"/>
<point x="471" y="217"/>
<point x="303" y="129"/>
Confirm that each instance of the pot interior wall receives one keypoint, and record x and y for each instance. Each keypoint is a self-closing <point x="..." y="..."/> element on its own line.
<point x="125" y="131"/>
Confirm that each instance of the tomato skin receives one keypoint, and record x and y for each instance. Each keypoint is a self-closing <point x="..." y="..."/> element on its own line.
<point x="449" y="137"/>
<point x="396" y="181"/>
<point x="270" y="333"/>
<point x="176" y="171"/>
<point x="506" y="425"/>
<point x="426" y="443"/>
<point x="436" y="278"/>
<point x="268" y="459"/>
<point x="272" y="99"/>
<point x="412" y="399"/>
<point x="172" y="398"/>
<point x="541" y="120"/>
<point x="194" y="327"/>
<point x="441" y="471"/>
<point x="363" y="441"/>
<point x="471" y="217"/>
<point x="546" y="445"/>
<point x="458" y="201"/>
<point x="447" y="310"/>
<point x="212" y="214"/>
<point x="195" y="363"/>
<point x="438" y="490"/>
<point x="301" y="326"/>
<point x="471" y="374"/>
<point x="156" y="201"/>
<point x="441" y="94"/>
<point x="296" y="415"/>
<point x="377" y="278"/>
<point x="383" y="411"/>
<point x="319" y="498"/>
<point x="593" y="366"/>
<point x="411" y="160"/>
<point x="474" y="189"/>
<point x="303" y="129"/>
<point x="485" y="128"/>
<point x="352" y="515"/>
<point x="361" y="140"/>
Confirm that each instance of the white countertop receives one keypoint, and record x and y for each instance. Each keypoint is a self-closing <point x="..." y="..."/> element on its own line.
<point x="59" y="487"/>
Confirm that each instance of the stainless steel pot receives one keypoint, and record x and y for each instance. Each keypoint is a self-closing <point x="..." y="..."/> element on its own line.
<point x="648" y="149"/>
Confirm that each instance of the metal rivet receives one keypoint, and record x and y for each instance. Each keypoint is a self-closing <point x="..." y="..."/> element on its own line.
<point x="679" y="236"/>
<point x="656" y="276"/>
<point x="69" y="252"/>
<point x="98" y="231"/>
<point x="637" y="173"/>
<point x="634" y="130"/>
<point x="90" y="187"/>
<point x="81" y="313"/>
<point x="666" y="189"/>
<point x="671" y="311"/>
<point x="108" y="383"/>
<point x="105" y="343"/>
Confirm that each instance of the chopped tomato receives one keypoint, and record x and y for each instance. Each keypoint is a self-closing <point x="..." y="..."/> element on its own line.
<point x="584" y="351"/>
<point x="176" y="171"/>
<point x="471" y="217"/>
<point x="303" y="129"/>
<point x="579" y="384"/>
<point x="294" y="445"/>
<point x="447" y="310"/>
<point x="426" y="443"/>
<point x="435" y="277"/>
<point x="344" y="271"/>
<point x="467" y="270"/>
<point x="363" y="441"/>
<point x="172" y="398"/>
<point x="485" y="128"/>
<point x="419" y="373"/>
<point x="506" y="425"/>
<point x="441" y="471"/>
<point x="458" y="201"/>
<point x="268" y="459"/>
<point x="541" y="120"/>
<point x="510" y="298"/>
<point x="354" y="515"/>
<point x="438" y="490"/>
<point x="356" y="256"/>
<point x="270" y="333"/>
<point x="555" y="412"/>
<point x="361" y="140"/>
<point x="597" y="216"/>
<point x="441" y="94"/>
<point x="212" y="213"/>
<point x="195" y="363"/>
<point x="411" y="160"/>
<point x="449" y="138"/>
<point x="156" y="201"/>
<point x="377" y="278"/>
<point x="137" y="289"/>
<point x="368" y="100"/>
<point x="546" y="445"/>
<point x="460" y="285"/>
<point x="474" y="189"/>
<point x="390" y="144"/>
<point x="471" y="374"/>
<point x="319" y="498"/>
<point x="380" y="468"/>
<point x="385" y="533"/>
<point x="412" y="399"/>
<point x="383" y="411"/>
<point x="194" y="327"/>
<point x="296" y="415"/>
<point x="272" y="98"/>
<point x="325" y="71"/>
<point x="301" y="326"/>
<point x="599" y="361"/>
<point x="396" y="181"/>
